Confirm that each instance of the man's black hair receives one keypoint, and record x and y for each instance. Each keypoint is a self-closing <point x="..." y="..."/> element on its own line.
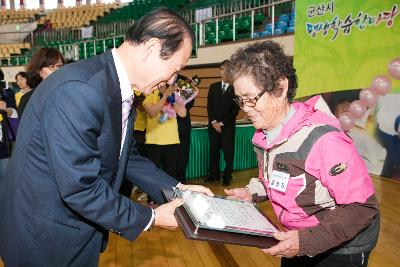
<point x="164" y="24"/>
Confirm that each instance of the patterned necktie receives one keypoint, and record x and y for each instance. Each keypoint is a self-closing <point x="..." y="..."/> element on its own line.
<point x="126" y="108"/>
<point x="224" y="86"/>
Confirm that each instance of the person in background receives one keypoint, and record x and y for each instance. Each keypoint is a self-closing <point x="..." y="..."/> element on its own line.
<point x="309" y="169"/>
<point x="388" y="133"/>
<point x="22" y="82"/>
<point x="7" y="112"/>
<point x="367" y="146"/>
<point x="162" y="139"/>
<point x="48" y="25"/>
<point x="222" y="112"/>
<point x="184" y="129"/>
<point x="59" y="198"/>
<point x="139" y="133"/>
<point x="44" y="62"/>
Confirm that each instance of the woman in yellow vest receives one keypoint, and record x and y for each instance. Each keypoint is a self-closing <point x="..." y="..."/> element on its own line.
<point x="23" y="84"/>
<point x="162" y="139"/>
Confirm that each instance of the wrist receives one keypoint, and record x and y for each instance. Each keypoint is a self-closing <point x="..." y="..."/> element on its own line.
<point x="181" y="187"/>
<point x="152" y="221"/>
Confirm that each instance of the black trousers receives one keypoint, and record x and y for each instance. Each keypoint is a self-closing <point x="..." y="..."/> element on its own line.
<point x="183" y="156"/>
<point x="226" y="141"/>
<point x="163" y="156"/>
<point x="391" y="165"/>
<point x="328" y="260"/>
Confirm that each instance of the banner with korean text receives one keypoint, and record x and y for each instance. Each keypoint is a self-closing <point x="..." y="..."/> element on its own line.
<point x="343" y="45"/>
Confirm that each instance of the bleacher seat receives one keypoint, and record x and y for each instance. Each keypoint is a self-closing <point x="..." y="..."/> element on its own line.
<point x="13" y="49"/>
<point x="284" y="17"/>
<point x="73" y="17"/>
<point x="268" y="27"/>
<point x="259" y="18"/>
<point x="17" y="16"/>
<point x="265" y="33"/>
<point x="281" y="24"/>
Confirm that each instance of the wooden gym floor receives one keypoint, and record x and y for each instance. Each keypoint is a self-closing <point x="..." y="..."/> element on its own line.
<point x="162" y="247"/>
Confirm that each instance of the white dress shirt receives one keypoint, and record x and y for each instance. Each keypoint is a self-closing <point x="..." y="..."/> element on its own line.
<point x="126" y="89"/>
<point x="126" y="92"/>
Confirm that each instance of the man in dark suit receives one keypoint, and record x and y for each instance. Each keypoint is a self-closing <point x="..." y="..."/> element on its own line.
<point x="60" y="197"/>
<point x="222" y="112"/>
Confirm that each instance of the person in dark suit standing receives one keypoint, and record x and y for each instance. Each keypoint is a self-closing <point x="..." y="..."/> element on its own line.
<point x="59" y="197"/>
<point x="222" y="112"/>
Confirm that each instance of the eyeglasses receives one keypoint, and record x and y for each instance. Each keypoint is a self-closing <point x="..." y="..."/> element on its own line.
<point x="248" y="102"/>
<point x="55" y="66"/>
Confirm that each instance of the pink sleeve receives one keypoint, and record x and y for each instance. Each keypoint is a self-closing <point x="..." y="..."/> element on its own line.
<point x="335" y="160"/>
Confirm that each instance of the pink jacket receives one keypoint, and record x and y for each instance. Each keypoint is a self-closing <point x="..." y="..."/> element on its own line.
<point x="326" y="174"/>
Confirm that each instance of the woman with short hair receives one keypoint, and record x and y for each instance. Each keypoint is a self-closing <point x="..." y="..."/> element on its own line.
<point x="309" y="169"/>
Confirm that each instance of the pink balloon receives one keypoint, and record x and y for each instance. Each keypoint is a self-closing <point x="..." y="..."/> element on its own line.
<point x="394" y="68"/>
<point x="381" y="84"/>
<point x="368" y="97"/>
<point x="346" y="121"/>
<point x="357" y="108"/>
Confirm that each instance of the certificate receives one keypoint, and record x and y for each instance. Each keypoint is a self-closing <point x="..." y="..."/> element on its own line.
<point x="224" y="214"/>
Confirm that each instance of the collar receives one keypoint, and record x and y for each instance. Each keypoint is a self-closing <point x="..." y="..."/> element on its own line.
<point x="126" y="90"/>
<point x="223" y="84"/>
<point x="274" y="133"/>
<point x="313" y="111"/>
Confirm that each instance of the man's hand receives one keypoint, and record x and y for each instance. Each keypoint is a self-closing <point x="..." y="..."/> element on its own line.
<point x="216" y="126"/>
<point x="3" y="105"/>
<point x="196" y="188"/>
<point x="288" y="247"/>
<point x="164" y="214"/>
<point x="238" y="193"/>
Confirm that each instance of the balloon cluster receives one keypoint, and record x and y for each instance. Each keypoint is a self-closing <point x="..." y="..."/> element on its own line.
<point x="381" y="85"/>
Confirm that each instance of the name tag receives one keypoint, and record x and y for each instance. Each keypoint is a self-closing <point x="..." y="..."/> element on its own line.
<point x="279" y="181"/>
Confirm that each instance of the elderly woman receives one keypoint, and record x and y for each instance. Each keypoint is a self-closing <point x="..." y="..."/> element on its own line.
<point x="309" y="169"/>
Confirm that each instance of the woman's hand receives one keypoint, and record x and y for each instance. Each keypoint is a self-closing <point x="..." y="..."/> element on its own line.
<point x="287" y="247"/>
<point x="196" y="188"/>
<point x="239" y="193"/>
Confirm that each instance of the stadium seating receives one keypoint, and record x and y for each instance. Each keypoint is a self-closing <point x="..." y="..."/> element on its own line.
<point x="73" y="17"/>
<point x="284" y="24"/>
<point x="6" y="50"/>
<point x="19" y="16"/>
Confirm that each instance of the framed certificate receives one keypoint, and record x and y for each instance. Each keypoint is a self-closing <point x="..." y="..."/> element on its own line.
<point x="219" y="219"/>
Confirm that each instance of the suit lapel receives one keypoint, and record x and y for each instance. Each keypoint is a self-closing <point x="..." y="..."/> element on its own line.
<point x="229" y="89"/>
<point x="115" y="108"/>
<point x="125" y="151"/>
